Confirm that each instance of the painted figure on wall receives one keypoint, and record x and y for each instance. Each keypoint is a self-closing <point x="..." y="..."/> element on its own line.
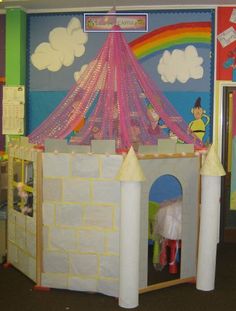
<point x="231" y="63"/>
<point x="156" y="123"/>
<point x="198" y="126"/>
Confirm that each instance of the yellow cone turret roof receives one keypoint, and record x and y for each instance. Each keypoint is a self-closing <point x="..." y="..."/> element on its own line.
<point x="130" y="169"/>
<point x="212" y="165"/>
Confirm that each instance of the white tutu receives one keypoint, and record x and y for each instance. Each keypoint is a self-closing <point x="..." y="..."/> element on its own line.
<point x="168" y="222"/>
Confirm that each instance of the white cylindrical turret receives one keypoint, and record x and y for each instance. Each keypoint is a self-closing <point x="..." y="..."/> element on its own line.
<point x="130" y="176"/>
<point x="211" y="172"/>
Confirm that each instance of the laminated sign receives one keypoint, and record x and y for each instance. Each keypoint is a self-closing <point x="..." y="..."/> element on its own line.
<point x="13" y="110"/>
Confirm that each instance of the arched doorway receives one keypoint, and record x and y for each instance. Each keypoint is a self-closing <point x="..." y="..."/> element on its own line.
<point x="186" y="170"/>
<point x="165" y="214"/>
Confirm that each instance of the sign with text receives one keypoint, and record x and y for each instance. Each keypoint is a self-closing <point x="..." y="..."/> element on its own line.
<point x="13" y="115"/>
<point x="115" y="22"/>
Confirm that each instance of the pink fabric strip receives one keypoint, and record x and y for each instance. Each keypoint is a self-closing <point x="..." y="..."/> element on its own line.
<point x="112" y="94"/>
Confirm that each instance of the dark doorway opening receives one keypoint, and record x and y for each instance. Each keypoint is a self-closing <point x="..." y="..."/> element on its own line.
<point x="228" y="216"/>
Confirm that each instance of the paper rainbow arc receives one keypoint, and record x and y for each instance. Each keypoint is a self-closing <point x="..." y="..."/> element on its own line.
<point x="171" y="36"/>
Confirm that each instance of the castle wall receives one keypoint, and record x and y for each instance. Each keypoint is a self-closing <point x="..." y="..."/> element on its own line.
<point x="81" y="216"/>
<point x="81" y="207"/>
<point x="22" y="230"/>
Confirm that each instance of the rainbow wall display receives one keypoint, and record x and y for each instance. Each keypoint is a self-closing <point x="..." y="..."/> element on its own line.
<point x="172" y="36"/>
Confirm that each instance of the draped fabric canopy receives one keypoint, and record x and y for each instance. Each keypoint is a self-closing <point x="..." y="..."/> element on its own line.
<point x="114" y="99"/>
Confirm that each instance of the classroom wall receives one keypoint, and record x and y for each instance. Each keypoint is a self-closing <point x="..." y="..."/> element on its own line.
<point x="225" y="66"/>
<point x="2" y="47"/>
<point x="226" y="37"/>
<point x="49" y="83"/>
<point x="42" y="101"/>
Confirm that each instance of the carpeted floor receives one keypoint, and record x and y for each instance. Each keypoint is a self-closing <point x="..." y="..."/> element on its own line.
<point x="17" y="294"/>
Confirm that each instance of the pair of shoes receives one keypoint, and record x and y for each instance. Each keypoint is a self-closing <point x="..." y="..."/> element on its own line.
<point x="173" y="269"/>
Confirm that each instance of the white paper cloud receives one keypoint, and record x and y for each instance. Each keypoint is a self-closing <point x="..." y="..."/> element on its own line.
<point x="64" y="45"/>
<point x="78" y="74"/>
<point x="89" y="67"/>
<point x="180" y="65"/>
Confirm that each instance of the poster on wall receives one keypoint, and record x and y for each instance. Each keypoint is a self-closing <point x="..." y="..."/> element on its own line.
<point x="177" y="52"/>
<point x="13" y="118"/>
<point x="226" y="44"/>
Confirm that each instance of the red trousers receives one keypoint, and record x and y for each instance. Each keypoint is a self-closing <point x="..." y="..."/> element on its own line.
<point x="174" y="246"/>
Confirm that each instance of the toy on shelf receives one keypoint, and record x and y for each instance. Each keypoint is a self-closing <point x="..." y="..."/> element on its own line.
<point x="26" y="199"/>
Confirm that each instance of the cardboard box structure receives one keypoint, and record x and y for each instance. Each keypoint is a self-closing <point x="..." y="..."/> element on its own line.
<point x="72" y="240"/>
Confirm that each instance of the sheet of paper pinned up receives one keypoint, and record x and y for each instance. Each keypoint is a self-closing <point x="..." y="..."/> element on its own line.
<point x="13" y="126"/>
<point x="233" y="16"/>
<point x="13" y="110"/>
<point x="14" y="93"/>
<point x="228" y="36"/>
<point x="13" y="121"/>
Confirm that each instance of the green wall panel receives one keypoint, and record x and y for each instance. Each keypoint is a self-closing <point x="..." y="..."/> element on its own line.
<point x="15" y="47"/>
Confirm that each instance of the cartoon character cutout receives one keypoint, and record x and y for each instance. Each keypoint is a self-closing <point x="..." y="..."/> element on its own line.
<point x="231" y="63"/>
<point x="155" y="120"/>
<point x="198" y="126"/>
